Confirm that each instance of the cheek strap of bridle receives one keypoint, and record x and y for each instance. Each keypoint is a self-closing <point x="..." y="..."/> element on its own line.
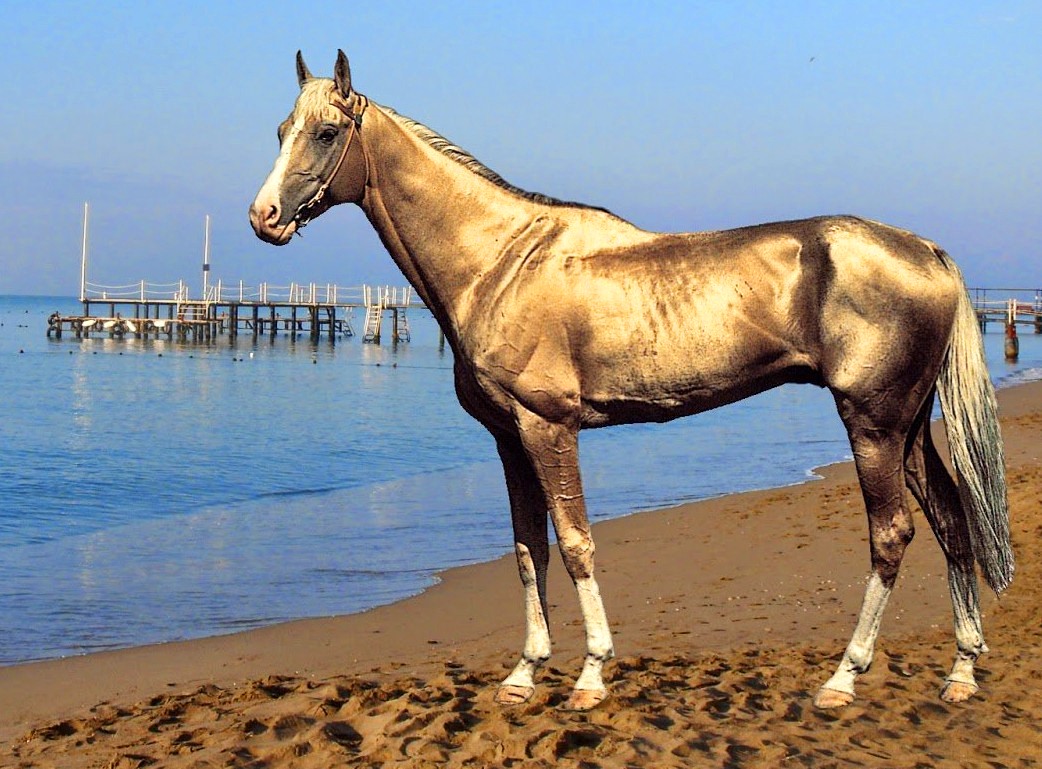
<point x="356" y="125"/>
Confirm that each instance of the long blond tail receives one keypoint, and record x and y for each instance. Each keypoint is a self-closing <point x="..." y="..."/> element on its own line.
<point x="971" y="420"/>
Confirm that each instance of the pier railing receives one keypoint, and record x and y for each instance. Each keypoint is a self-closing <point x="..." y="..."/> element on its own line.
<point x="994" y="297"/>
<point x="141" y="291"/>
<point x="1010" y="307"/>
<point x="294" y="293"/>
<point x="997" y="301"/>
<point x="325" y="294"/>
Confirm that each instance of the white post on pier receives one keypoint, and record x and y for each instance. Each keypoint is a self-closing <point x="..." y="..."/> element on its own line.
<point x="83" y="255"/>
<point x="206" y="259"/>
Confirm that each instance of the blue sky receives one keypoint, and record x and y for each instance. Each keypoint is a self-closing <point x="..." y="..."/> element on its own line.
<point x="676" y="116"/>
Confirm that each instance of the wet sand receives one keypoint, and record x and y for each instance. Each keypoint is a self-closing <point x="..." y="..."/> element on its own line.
<point x="728" y="614"/>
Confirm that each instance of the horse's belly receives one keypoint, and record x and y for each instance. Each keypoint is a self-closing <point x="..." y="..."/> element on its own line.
<point x="669" y="381"/>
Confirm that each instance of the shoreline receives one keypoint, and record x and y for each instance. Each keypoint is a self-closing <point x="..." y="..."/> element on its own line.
<point x="739" y="574"/>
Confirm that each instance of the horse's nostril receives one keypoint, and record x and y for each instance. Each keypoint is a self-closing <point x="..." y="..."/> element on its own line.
<point x="273" y="215"/>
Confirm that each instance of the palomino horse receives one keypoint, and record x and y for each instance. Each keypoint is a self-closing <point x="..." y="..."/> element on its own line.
<point x="877" y="315"/>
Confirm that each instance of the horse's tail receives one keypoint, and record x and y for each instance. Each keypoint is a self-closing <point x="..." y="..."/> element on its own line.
<point x="971" y="421"/>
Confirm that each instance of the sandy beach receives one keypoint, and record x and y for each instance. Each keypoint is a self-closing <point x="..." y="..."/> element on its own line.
<point x="728" y="614"/>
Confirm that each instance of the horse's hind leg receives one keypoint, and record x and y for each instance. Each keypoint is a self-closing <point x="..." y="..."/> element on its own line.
<point x="933" y="487"/>
<point x="528" y="512"/>
<point x="878" y="455"/>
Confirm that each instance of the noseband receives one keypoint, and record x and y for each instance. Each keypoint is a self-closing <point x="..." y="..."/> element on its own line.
<point x="301" y="217"/>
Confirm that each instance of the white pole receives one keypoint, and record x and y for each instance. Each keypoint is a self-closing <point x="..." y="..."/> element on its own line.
<point x="83" y="256"/>
<point x="206" y="259"/>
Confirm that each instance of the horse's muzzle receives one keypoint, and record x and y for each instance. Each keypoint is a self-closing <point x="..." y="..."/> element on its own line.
<point x="265" y="223"/>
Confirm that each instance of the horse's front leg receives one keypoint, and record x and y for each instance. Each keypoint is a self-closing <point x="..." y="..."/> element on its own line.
<point x="528" y="513"/>
<point x="554" y="453"/>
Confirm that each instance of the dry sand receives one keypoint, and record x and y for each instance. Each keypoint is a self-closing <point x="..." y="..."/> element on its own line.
<point x="728" y="614"/>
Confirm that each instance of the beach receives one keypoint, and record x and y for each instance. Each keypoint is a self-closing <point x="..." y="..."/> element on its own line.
<point x="727" y="615"/>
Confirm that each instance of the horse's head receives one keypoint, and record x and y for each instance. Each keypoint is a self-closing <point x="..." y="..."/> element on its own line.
<point x="321" y="161"/>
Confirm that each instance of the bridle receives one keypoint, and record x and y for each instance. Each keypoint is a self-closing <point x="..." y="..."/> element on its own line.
<point x="301" y="217"/>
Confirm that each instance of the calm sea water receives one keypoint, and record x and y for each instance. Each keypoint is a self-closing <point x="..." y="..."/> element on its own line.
<point x="152" y="491"/>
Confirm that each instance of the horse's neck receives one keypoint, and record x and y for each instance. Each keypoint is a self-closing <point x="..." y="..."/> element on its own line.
<point x="437" y="219"/>
<point x="444" y="225"/>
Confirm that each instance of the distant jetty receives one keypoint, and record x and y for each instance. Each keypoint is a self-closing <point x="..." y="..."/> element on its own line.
<point x="147" y="308"/>
<point x="1011" y="307"/>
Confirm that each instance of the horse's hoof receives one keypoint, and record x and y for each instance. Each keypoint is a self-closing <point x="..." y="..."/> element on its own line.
<point x="508" y="694"/>
<point x="958" y="691"/>
<point x="585" y="699"/>
<point x="829" y="699"/>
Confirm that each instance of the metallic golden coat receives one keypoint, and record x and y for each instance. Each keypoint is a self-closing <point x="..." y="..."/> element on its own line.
<point x="562" y="317"/>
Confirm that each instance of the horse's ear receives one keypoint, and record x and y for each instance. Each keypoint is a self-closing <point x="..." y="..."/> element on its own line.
<point x="303" y="74"/>
<point x="342" y="75"/>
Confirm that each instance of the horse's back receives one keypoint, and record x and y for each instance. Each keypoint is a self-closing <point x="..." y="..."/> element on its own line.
<point x="678" y="323"/>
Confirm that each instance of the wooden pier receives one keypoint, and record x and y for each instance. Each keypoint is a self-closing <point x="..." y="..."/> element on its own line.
<point x="144" y="309"/>
<point x="1011" y="307"/>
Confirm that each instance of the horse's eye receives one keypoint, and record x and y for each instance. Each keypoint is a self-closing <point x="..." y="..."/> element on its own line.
<point x="327" y="134"/>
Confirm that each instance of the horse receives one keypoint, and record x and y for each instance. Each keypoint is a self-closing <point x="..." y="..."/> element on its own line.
<point x="558" y="320"/>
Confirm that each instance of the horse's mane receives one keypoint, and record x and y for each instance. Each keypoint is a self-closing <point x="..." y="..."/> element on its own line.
<point x="315" y="100"/>
<point x="468" y="161"/>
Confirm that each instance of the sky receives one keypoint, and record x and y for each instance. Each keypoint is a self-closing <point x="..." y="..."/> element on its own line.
<point x="675" y="116"/>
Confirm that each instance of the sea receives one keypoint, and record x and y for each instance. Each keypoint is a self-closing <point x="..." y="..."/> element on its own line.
<point x="154" y="490"/>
